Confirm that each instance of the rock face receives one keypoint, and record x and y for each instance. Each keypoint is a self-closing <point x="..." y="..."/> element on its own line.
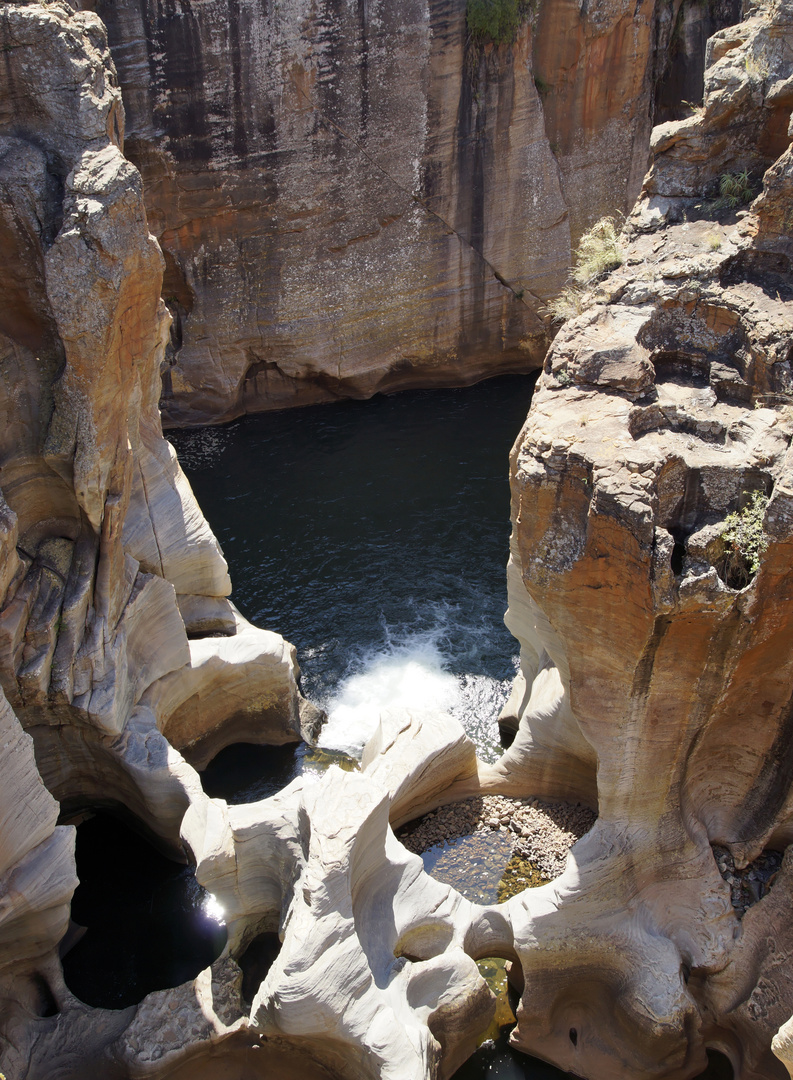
<point x="354" y="198"/>
<point x="106" y="562"/>
<point x="655" y="661"/>
<point x="656" y="679"/>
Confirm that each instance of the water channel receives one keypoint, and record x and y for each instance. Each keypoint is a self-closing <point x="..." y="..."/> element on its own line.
<point x="372" y="535"/>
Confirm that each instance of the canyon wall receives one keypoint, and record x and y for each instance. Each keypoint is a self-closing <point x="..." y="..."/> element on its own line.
<point x="655" y="668"/>
<point x="656" y="661"/>
<point x="354" y="198"/>
<point x="110" y="578"/>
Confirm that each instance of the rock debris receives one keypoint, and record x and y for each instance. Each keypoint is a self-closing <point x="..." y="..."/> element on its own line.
<point x="542" y="832"/>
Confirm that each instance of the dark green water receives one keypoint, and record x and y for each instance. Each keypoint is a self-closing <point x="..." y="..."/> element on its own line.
<point x="373" y="535"/>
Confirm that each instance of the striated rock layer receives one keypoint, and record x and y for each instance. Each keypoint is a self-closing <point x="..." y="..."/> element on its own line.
<point x="106" y="562"/>
<point x="655" y="671"/>
<point x="656" y="676"/>
<point x="355" y="198"/>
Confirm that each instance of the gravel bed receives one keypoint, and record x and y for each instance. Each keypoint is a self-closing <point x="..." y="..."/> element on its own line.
<point x="541" y="832"/>
<point x="751" y="884"/>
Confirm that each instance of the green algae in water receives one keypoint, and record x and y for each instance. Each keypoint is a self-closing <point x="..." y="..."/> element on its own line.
<point x="494" y="971"/>
<point x="317" y="759"/>
<point x="482" y="868"/>
<point x="519" y="874"/>
<point x="246" y="772"/>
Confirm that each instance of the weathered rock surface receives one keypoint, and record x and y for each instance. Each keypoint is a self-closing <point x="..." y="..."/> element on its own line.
<point x="665" y="687"/>
<point x="356" y="199"/>
<point x="654" y="687"/>
<point x="100" y="535"/>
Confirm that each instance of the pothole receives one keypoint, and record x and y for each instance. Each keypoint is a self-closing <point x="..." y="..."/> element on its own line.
<point x="246" y="772"/>
<point x="751" y="884"/>
<point x="492" y="847"/>
<point x="259" y="956"/>
<point x="494" y="971"/>
<point x="148" y="924"/>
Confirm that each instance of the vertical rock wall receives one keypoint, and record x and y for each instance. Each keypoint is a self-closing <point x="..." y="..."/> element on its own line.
<point x="354" y="197"/>
<point x="656" y="675"/>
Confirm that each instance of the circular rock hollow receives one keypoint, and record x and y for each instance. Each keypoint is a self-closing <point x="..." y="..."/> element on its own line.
<point x="148" y="924"/>
<point x="248" y="772"/>
<point x="491" y="847"/>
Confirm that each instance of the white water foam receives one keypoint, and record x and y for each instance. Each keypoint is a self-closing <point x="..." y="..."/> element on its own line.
<point x="408" y="675"/>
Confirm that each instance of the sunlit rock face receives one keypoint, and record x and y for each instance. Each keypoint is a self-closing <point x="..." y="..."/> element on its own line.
<point x="354" y="198"/>
<point x="106" y="562"/>
<point x="656" y="679"/>
<point x="655" y="685"/>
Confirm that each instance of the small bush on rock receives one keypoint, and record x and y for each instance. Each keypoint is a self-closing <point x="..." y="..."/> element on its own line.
<point x="496" y="20"/>
<point x="735" y="189"/>
<point x="744" y="542"/>
<point x="568" y="304"/>
<point x="598" y="251"/>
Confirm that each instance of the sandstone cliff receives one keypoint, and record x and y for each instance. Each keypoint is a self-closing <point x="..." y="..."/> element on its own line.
<point x="354" y="198"/>
<point x="107" y="567"/>
<point x="656" y="678"/>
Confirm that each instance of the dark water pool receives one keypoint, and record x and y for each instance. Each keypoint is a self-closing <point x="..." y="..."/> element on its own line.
<point x="373" y="535"/>
<point x="149" y="924"/>
<point x="244" y="772"/>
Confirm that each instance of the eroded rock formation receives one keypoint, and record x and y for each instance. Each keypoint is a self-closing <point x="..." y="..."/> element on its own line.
<point x="661" y="409"/>
<point x="106" y="562"/>
<point x="654" y="685"/>
<point x="355" y="198"/>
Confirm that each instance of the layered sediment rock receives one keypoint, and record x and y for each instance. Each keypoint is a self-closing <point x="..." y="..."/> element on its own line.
<point x="106" y="562"/>
<point x="661" y="409"/>
<point x="655" y="680"/>
<point x="355" y="199"/>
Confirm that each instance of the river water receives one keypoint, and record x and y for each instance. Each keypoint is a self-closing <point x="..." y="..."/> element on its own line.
<point x="373" y="535"/>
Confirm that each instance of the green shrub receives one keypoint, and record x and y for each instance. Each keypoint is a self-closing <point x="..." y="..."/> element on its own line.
<point x="735" y="189"/>
<point x="496" y="20"/>
<point x="744" y="542"/>
<point x="598" y="252"/>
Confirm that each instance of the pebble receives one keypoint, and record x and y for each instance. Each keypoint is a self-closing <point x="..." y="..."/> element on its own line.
<point x="542" y="832"/>
<point x="751" y="884"/>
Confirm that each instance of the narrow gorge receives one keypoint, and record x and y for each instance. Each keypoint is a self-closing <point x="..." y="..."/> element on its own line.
<point x="225" y="207"/>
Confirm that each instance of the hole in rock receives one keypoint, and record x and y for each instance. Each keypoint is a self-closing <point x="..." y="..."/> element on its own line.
<point x="490" y="848"/>
<point x="245" y="772"/>
<point x="495" y="1059"/>
<point x="148" y="922"/>
<point x="424" y="941"/>
<point x="684" y="369"/>
<point x="573" y="1036"/>
<point x="495" y="971"/>
<point x="751" y="884"/>
<point x="719" y="1067"/>
<point x="678" y="555"/>
<point x="45" y="1005"/>
<point x="256" y="961"/>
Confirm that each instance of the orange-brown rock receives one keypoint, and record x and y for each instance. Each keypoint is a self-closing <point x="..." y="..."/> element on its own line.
<point x="657" y="672"/>
<point x="100" y="535"/>
<point x="353" y="200"/>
